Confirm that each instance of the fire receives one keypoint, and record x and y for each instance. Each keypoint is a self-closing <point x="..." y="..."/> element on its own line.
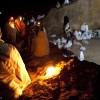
<point x="12" y="25"/>
<point x="38" y="23"/>
<point x="52" y="71"/>
<point x="20" y="18"/>
<point x="55" y="70"/>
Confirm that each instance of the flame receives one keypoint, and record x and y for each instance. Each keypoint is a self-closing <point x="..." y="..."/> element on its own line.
<point x="20" y="18"/>
<point x="38" y="23"/>
<point x="52" y="71"/>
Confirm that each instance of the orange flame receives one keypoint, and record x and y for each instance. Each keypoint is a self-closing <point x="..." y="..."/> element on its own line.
<point x="12" y="25"/>
<point x="52" y="71"/>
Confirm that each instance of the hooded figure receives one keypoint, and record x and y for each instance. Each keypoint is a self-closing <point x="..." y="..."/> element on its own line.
<point x="40" y="43"/>
<point x="12" y="70"/>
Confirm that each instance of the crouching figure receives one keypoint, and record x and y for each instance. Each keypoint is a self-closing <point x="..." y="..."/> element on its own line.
<point x="13" y="73"/>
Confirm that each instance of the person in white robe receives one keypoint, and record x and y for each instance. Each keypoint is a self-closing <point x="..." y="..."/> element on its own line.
<point x="13" y="72"/>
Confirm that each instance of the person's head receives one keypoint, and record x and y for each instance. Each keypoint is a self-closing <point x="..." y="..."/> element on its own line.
<point x="11" y="19"/>
<point x="66" y="20"/>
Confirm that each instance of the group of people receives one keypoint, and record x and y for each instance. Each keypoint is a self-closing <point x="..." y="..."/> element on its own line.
<point x="15" y="31"/>
<point x="65" y="2"/>
<point x="13" y="72"/>
<point x="19" y="34"/>
<point x="38" y="40"/>
<point x="71" y="34"/>
<point x="67" y="30"/>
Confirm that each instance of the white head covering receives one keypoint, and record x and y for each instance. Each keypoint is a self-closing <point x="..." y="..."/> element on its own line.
<point x="32" y="19"/>
<point x="40" y="16"/>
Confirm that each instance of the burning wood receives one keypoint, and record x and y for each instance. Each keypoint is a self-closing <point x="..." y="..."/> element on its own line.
<point x="52" y="71"/>
<point x="68" y="82"/>
<point x="49" y="71"/>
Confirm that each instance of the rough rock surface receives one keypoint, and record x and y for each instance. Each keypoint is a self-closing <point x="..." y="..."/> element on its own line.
<point x="78" y="12"/>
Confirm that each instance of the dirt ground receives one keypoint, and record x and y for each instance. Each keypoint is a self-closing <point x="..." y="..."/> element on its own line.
<point x="92" y="52"/>
<point x="78" y="80"/>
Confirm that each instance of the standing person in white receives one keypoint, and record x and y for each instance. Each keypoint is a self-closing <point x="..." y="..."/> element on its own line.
<point x="81" y="56"/>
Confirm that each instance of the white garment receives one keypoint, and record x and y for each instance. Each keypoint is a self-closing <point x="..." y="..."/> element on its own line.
<point x="58" y="5"/>
<point x="12" y="69"/>
<point x="85" y="35"/>
<point x="68" y="45"/>
<point x="44" y="30"/>
<point x="40" y="16"/>
<point x="53" y="35"/>
<point x="78" y="35"/>
<point x="60" y="46"/>
<point x="32" y="19"/>
<point x="58" y="41"/>
<point x="81" y="56"/>
<point x="67" y="27"/>
<point x="63" y="40"/>
<point x="66" y="2"/>
<point x="82" y="48"/>
<point x="84" y="28"/>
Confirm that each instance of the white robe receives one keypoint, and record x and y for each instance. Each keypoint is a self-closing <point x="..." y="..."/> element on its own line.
<point x="12" y="69"/>
<point x="66" y="2"/>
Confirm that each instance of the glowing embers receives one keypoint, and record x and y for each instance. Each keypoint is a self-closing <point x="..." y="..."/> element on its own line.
<point x="52" y="71"/>
<point x="55" y="70"/>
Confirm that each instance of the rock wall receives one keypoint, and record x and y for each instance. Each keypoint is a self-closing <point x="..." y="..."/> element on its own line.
<point x="78" y="12"/>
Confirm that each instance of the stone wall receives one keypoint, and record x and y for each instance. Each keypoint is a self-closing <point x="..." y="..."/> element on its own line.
<point x="78" y="12"/>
